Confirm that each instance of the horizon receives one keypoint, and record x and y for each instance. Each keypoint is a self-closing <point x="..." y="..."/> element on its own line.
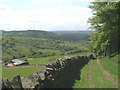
<point x="47" y="30"/>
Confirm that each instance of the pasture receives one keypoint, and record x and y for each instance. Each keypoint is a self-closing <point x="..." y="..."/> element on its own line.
<point x="24" y="71"/>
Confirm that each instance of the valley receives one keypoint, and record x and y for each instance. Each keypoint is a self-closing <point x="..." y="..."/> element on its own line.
<point x="38" y="50"/>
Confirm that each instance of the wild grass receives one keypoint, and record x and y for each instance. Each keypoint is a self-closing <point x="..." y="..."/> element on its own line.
<point x="98" y="79"/>
<point x="111" y="65"/>
<point x="82" y="83"/>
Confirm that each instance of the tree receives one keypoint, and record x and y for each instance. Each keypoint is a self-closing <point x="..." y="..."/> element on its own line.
<point x="105" y="23"/>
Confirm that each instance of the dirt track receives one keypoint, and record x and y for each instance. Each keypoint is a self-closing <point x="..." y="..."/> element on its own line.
<point x="108" y="76"/>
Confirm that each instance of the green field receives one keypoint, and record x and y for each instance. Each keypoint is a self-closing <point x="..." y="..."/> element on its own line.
<point x="24" y="71"/>
<point x="28" y="47"/>
<point x="38" y="48"/>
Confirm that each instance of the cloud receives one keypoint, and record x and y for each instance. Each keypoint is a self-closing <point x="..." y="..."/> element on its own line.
<point x="49" y="18"/>
<point x="5" y="0"/>
<point x="4" y="7"/>
<point x="61" y="1"/>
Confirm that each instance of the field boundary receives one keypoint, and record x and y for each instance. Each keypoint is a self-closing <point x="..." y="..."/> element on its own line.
<point x="59" y="73"/>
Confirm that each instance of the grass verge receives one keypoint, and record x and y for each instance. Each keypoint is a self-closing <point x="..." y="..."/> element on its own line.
<point x="82" y="83"/>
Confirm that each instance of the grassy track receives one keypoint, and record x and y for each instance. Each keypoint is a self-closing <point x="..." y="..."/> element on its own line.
<point x="111" y="65"/>
<point x="98" y="79"/>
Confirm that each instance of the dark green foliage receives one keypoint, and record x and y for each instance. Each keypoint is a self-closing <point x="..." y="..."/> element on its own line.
<point x="105" y="23"/>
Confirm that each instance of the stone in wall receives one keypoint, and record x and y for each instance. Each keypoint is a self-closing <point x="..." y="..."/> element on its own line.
<point x="91" y="56"/>
<point x="6" y="83"/>
<point x="27" y="83"/>
<point x="16" y="82"/>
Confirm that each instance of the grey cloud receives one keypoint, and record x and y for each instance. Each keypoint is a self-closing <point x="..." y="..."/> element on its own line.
<point x="3" y="8"/>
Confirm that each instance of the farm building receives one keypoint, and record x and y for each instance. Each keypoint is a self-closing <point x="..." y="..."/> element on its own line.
<point x="10" y="64"/>
<point x="18" y="62"/>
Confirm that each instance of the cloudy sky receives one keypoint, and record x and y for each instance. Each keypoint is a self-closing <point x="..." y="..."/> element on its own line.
<point x="44" y="14"/>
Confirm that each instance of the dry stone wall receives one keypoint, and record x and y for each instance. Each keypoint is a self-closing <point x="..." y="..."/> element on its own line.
<point x="59" y="73"/>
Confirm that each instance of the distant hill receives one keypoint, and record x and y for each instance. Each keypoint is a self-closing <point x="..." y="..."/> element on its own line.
<point x="31" y="33"/>
<point x="73" y="35"/>
<point x="61" y="35"/>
